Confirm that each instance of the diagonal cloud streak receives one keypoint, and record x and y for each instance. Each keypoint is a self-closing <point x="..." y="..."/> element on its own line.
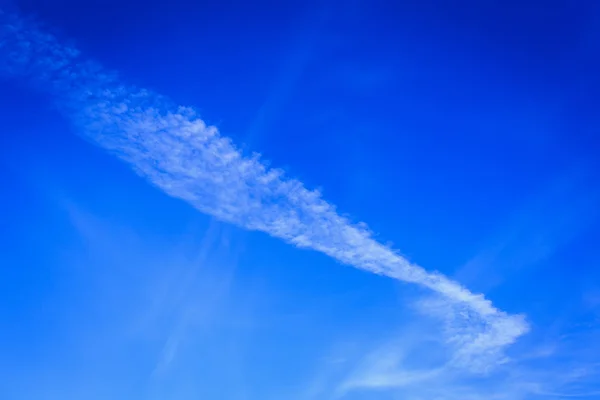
<point x="180" y="154"/>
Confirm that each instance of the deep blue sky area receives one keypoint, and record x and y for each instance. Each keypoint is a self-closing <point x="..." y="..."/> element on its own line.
<point x="489" y="102"/>
<point x="464" y="133"/>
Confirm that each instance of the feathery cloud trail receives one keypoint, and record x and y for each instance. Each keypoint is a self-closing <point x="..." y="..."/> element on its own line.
<point x="180" y="154"/>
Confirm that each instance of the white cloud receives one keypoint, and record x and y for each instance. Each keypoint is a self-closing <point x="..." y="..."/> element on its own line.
<point x="180" y="154"/>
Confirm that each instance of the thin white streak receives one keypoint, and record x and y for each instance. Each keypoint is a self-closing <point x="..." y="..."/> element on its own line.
<point x="179" y="153"/>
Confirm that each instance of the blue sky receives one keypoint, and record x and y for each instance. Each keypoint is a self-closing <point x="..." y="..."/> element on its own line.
<point x="149" y="252"/>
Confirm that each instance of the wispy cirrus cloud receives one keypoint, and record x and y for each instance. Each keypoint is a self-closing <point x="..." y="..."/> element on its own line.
<point x="414" y="365"/>
<point x="180" y="154"/>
